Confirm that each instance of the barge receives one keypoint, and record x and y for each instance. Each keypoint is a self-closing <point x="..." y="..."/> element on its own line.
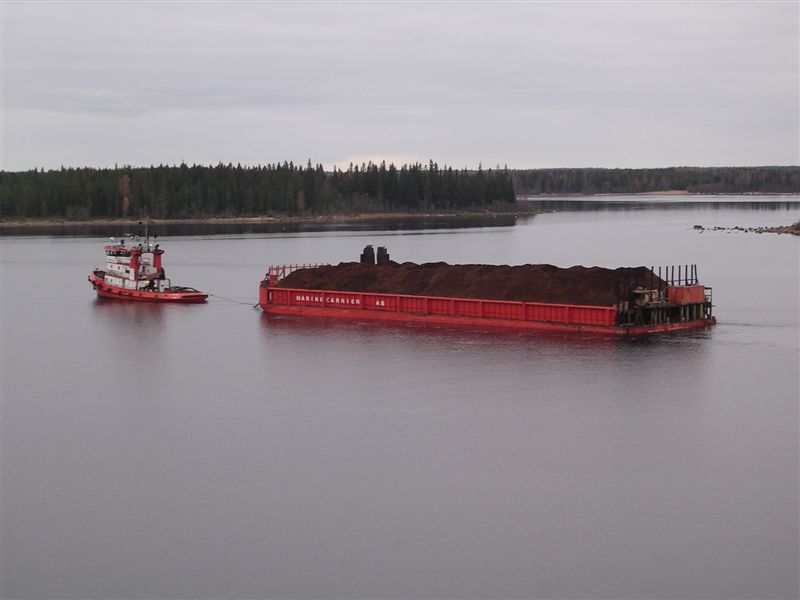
<point x="621" y="302"/>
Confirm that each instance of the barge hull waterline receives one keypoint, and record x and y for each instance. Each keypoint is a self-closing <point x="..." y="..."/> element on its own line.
<point x="270" y="307"/>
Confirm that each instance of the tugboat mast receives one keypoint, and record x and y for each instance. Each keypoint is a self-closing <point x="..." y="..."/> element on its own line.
<point x="146" y="228"/>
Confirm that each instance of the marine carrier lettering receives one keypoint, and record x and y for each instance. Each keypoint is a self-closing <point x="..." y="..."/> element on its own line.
<point x="330" y="299"/>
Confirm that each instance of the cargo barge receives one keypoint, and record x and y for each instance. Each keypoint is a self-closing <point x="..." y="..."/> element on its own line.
<point x="622" y="302"/>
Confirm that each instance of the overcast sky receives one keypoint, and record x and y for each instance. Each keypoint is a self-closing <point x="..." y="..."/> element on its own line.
<point x="608" y="84"/>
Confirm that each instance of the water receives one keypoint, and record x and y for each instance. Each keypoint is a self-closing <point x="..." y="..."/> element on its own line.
<point x="209" y="451"/>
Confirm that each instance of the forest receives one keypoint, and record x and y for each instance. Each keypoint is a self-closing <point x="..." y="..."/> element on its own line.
<point x="198" y="191"/>
<point x="695" y="180"/>
<point x="180" y="192"/>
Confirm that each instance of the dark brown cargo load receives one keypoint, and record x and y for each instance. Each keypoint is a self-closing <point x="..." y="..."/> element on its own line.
<point x="589" y="286"/>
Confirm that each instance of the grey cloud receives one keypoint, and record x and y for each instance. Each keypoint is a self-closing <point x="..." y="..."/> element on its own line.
<point x="525" y="84"/>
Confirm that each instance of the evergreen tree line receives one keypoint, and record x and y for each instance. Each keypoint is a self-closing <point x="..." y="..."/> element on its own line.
<point x="696" y="180"/>
<point x="225" y="190"/>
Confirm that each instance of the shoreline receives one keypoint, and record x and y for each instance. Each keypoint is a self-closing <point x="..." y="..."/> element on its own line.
<point x="793" y="229"/>
<point x="521" y="209"/>
<point x="264" y="220"/>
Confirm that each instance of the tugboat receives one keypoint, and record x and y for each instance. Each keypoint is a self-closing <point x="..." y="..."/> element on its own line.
<point x="135" y="272"/>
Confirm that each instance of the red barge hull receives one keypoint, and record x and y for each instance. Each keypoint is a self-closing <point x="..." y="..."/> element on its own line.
<point x="104" y="290"/>
<point x="459" y="312"/>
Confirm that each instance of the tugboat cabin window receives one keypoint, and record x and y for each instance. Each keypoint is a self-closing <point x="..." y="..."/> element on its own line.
<point x="118" y="253"/>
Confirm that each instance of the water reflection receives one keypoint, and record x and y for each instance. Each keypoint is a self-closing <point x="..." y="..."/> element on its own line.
<point x="136" y="319"/>
<point x="485" y="366"/>
<point x="215" y="228"/>
<point x="314" y="327"/>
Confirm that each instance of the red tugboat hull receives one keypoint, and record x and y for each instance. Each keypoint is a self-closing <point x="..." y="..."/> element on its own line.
<point x="104" y="290"/>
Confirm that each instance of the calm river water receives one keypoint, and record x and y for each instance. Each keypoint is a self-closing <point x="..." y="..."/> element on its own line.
<point x="210" y="452"/>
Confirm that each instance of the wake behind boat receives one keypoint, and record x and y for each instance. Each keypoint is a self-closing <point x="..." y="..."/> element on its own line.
<point x="135" y="272"/>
